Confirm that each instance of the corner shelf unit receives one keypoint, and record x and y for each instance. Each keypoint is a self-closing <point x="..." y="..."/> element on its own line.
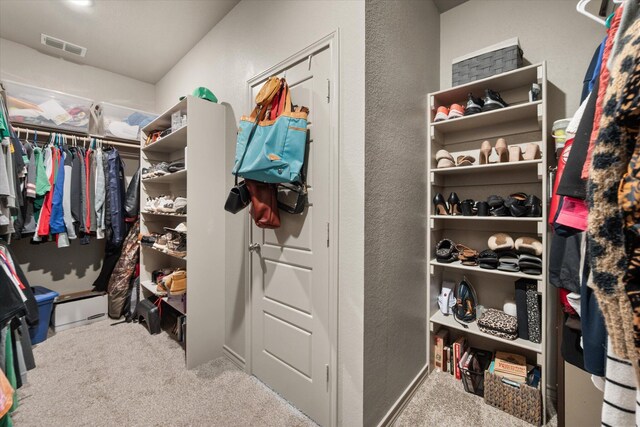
<point x="520" y="123"/>
<point x="199" y="143"/>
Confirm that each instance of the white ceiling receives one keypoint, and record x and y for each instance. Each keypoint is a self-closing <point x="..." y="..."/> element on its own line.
<point x="137" y="38"/>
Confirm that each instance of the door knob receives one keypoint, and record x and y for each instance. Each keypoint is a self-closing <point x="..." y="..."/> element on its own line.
<point x="254" y="247"/>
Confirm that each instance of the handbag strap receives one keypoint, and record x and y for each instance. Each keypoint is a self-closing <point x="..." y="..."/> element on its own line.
<point x="258" y="113"/>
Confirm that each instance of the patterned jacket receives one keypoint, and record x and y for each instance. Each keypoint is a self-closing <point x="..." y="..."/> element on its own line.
<point x="614" y="202"/>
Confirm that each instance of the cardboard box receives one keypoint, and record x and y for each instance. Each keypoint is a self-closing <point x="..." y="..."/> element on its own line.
<point x="439" y="355"/>
<point x="510" y="363"/>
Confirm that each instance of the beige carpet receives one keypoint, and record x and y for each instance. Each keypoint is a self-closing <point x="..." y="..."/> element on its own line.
<point x="102" y="375"/>
<point x="442" y="401"/>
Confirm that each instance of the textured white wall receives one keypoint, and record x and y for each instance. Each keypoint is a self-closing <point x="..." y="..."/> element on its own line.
<point x="25" y="65"/>
<point x="254" y="36"/>
<point x="402" y="66"/>
<point x="74" y="268"/>
<point x="548" y="30"/>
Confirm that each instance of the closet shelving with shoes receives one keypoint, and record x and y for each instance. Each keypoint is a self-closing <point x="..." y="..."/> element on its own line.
<point x="457" y="164"/>
<point x="181" y="208"/>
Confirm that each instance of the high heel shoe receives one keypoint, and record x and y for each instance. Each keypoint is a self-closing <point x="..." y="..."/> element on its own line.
<point x="502" y="150"/>
<point x="454" y="204"/>
<point x="532" y="152"/>
<point x="515" y="153"/>
<point x="485" y="152"/>
<point x="440" y="205"/>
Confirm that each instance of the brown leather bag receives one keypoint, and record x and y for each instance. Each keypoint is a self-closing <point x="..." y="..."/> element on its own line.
<point x="264" y="203"/>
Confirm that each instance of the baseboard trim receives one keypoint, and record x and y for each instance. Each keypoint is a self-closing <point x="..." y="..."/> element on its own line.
<point x="392" y="415"/>
<point x="234" y="357"/>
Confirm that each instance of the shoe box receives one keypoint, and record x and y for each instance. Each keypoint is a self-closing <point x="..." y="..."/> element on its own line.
<point x="78" y="309"/>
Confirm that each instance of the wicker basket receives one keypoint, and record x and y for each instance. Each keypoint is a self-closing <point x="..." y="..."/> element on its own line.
<point x="496" y="59"/>
<point x="524" y="402"/>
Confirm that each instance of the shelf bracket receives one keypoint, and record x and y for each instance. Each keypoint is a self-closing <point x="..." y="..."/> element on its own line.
<point x="431" y="270"/>
<point x="432" y="177"/>
<point x="432" y="223"/>
<point x="542" y="226"/>
<point x="539" y="358"/>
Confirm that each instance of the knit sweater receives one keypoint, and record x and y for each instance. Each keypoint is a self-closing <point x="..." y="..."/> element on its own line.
<point x="611" y="156"/>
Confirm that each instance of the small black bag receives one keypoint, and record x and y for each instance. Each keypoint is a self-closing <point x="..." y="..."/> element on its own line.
<point x="466" y="302"/>
<point x="285" y="190"/>
<point x="238" y="198"/>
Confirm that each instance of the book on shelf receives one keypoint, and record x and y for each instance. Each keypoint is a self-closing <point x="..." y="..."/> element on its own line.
<point x="459" y="347"/>
<point x="439" y="355"/>
<point x="511" y="364"/>
<point x="449" y="359"/>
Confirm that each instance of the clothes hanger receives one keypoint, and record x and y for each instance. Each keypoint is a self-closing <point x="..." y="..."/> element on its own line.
<point x="581" y="8"/>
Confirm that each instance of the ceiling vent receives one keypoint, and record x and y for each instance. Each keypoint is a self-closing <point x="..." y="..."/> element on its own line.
<point x="55" y="43"/>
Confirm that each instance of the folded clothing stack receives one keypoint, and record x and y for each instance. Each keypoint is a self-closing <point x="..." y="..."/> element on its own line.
<point x="499" y="323"/>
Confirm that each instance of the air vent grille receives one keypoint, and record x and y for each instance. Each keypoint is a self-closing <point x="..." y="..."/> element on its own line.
<point x="63" y="45"/>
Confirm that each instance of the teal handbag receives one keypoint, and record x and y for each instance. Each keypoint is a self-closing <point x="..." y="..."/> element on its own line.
<point x="274" y="150"/>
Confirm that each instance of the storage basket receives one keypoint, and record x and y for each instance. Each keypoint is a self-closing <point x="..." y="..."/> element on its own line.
<point x="496" y="59"/>
<point x="524" y="402"/>
<point x="473" y="379"/>
<point x="40" y="107"/>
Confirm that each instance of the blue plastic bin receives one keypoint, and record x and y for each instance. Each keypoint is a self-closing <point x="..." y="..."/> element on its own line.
<point x="44" y="298"/>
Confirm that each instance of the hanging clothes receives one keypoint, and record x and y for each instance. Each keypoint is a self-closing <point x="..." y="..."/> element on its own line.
<point x="608" y="231"/>
<point x="120" y="281"/>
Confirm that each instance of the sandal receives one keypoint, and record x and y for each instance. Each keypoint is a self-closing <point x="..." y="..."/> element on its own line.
<point x="466" y="255"/>
<point x="465" y="160"/>
<point x="446" y="251"/>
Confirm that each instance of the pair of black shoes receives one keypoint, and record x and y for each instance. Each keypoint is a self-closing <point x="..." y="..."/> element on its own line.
<point x="492" y="101"/>
<point x="517" y="205"/>
<point x="451" y="206"/>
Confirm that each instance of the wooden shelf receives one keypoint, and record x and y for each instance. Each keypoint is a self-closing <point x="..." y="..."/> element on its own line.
<point x="528" y="110"/>
<point x="492" y="167"/>
<point x="487" y="218"/>
<point x="458" y="265"/>
<point x="167" y="179"/>
<point x="151" y="248"/>
<point x="173" y="142"/>
<point x="174" y="301"/>
<point x="521" y="77"/>
<point x="163" y="121"/>
<point x="449" y="322"/>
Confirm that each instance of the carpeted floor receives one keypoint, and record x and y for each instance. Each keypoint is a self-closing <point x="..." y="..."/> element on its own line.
<point x="102" y="375"/>
<point x="442" y="401"/>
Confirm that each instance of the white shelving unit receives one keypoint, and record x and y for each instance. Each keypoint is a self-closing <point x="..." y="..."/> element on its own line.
<point x="520" y="123"/>
<point x="199" y="143"/>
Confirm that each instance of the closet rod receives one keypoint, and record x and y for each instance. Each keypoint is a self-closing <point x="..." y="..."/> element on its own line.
<point x="79" y="138"/>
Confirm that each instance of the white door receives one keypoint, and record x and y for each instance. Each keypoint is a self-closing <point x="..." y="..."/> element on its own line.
<point x="290" y="270"/>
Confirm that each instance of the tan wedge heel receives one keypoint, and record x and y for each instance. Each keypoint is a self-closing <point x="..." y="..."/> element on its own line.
<point x="502" y="150"/>
<point x="515" y="153"/>
<point x="485" y="152"/>
<point x="532" y="152"/>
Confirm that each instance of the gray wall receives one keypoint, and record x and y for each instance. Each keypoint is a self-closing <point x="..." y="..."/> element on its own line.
<point x="224" y="60"/>
<point x="402" y="66"/>
<point x="74" y="268"/>
<point x="548" y="30"/>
